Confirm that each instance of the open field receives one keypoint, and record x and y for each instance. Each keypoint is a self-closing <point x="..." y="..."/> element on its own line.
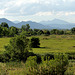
<point x="52" y="43"/>
<point x="56" y="43"/>
<point x="3" y="42"/>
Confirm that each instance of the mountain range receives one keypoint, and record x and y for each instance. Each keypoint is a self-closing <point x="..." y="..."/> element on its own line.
<point x="59" y="24"/>
<point x="54" y="21"/>
<point x="54" y="24"/>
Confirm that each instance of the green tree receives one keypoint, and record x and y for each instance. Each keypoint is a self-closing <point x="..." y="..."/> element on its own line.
<point x="26" y="33"/>
<point x="25" y="27"/>
<point x="54" y="31"/>
<point x="5" y="31"/>
<point x="61" y="32"/>
<point x="1" y="31"/>
<point x="4" y="24"/>
<point x="18" y="48"/>
<point x="46" y="32"/>
<point x="13" y="30"/>
<point x="73" y="30"/>
<point x="40" y="32"/>
<point x="35" y="42"/>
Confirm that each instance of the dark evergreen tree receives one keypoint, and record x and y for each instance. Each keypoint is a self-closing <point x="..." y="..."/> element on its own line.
<point x="4" y="24"/>
<point x="18" y="48"/>
<point x="35" y="42"/>
<point x="73" y="30"/>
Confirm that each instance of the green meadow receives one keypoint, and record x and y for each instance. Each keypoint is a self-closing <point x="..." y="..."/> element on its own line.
<point x="49" y="44"/>
<point x="56" y="43"/>
<point x="3" y="41"/>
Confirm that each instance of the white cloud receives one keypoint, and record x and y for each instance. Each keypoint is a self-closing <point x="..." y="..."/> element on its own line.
<point x="31" y="7"/>
<point x="37" y="8"/>
<point x="21" y="2"/>
<point x="69" y="13"/>
<point x="43" y="14"/>
<point x="62" y="13"/>
<point x="1" y="12"/>
<point x="64" y="0"/>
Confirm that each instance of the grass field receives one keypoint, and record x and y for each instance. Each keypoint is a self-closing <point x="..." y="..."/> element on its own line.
<point x="52" y="43"/>
<point x="56" y="43"/>
<point x="3" y="42"/>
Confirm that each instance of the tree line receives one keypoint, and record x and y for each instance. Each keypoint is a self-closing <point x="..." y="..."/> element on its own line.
<point x="7" y="31"/>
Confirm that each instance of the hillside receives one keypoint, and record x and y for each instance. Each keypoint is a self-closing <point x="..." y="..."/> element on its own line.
<point x="54" y="24"/>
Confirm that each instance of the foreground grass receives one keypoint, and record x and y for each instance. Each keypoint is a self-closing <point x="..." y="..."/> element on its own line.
<point x="13" y="68"/>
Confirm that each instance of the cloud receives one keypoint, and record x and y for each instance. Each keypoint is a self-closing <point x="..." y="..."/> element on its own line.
<point x="69" y="13"/>
<point x="62" y="13"/>
<point x="1" y="12"/>
<point x="38" y="8"/>
<point x="30" y="7"/>
<point x="43" y="14"/>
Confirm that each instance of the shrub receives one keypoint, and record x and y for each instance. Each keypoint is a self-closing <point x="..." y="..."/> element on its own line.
<point x="38" y="60"/>
<point x="34" y="42"/>
<point x="18" y="48"/>
<point x="55" y="66"/>
<point x="71" y="55"/>
<point x="48" y="56"/>
<point x="4" y="57"/>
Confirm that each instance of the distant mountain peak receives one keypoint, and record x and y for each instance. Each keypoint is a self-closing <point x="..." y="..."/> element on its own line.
<point x="59" y="20"/>
<point x="54" y="21"/>
<point x="3" y="18"/>
<point x="10" y="23"/>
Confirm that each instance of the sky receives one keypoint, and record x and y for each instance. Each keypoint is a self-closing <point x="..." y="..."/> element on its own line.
<point x="38" y="10"/>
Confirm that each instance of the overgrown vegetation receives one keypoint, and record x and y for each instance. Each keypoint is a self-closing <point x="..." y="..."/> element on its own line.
<point x="56" y="66"/>
<point x="41" y="55"/>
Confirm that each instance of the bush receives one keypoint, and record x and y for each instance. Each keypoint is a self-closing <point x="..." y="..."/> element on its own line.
<point x="48" y="56"/>
<point x="38" y="60"/>
<point x="18" y="48"/>
<point x="35" y="42"/>
<point x="55" y="66"/>
<point x="4" y="57"/>
<point x="71" y="55"/>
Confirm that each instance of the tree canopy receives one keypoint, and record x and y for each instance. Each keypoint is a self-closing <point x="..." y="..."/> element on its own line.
<point x="18" y="48"/>
<point x="4" y="24"/>
<point x="35" y="42"/>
